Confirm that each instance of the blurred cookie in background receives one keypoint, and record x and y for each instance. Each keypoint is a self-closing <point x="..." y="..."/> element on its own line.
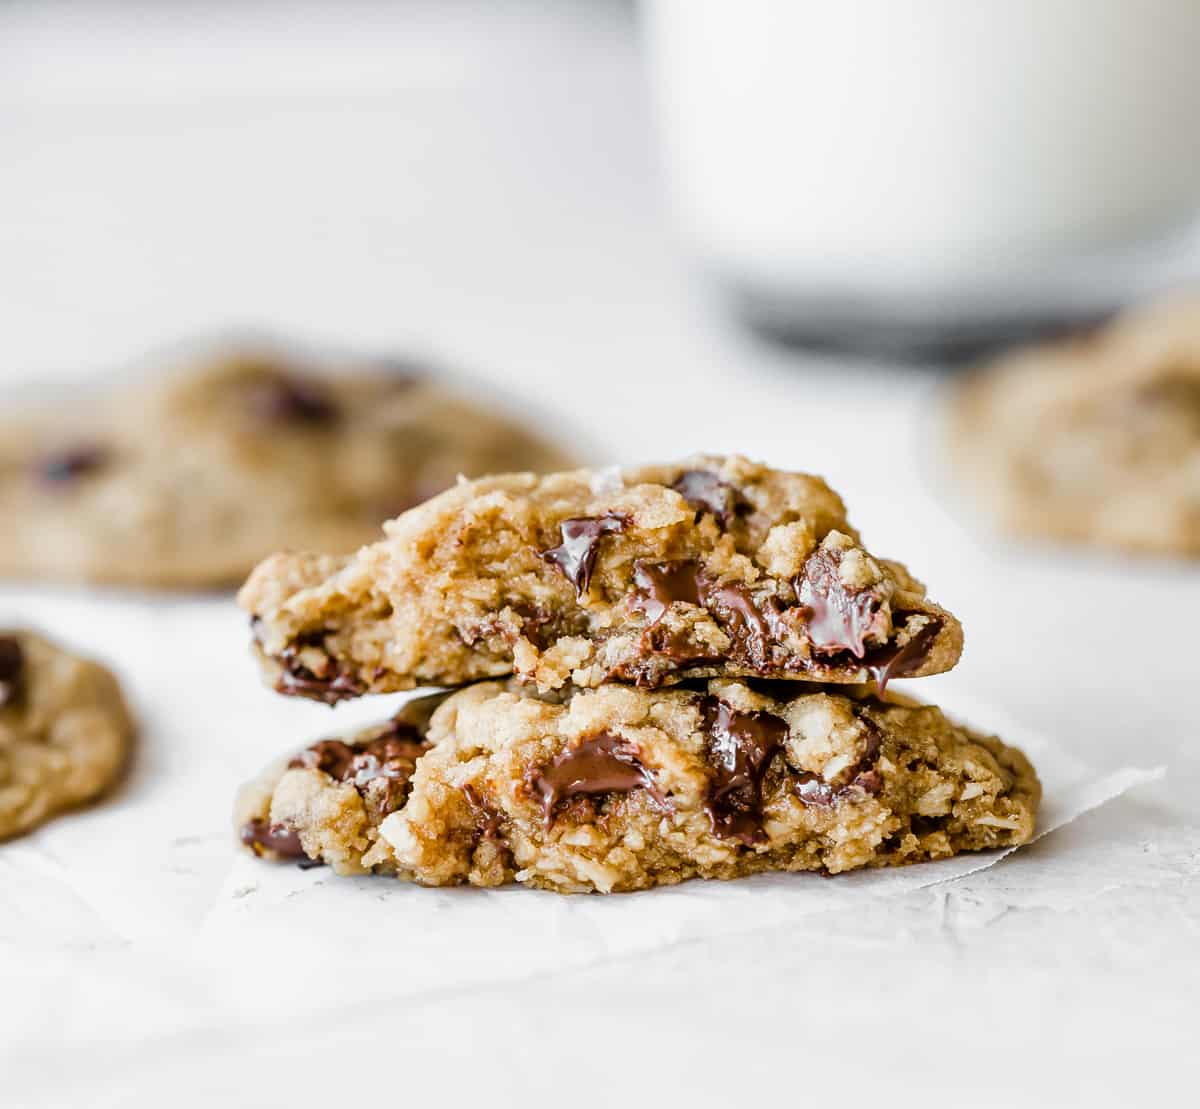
<point x="65" y="732"/>
<point x="1094" y="439"/>
<point x="188" y="480"/>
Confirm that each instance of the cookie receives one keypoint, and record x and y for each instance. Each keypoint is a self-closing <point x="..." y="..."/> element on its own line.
<point x="711" y="567"/>
<point x="1094" y="440"/>
<point x="189" y="481"/>
<point x="620" y="788"/>
<point x="65" y="732"/>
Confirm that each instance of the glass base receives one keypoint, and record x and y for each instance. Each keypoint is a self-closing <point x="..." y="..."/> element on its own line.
<point x="866" y="329"/>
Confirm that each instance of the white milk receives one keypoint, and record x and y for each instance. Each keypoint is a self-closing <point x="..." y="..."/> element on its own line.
<point x="931" y="156"/>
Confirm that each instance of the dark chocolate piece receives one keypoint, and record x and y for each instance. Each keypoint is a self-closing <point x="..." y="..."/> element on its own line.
<point x="284" y="399"/>
<point x="330" y="756"/>
<point x="675" y="644"/>
<point x="741" y="618"/>
<point x="64" y="466"/>
<point x="813" y="790"/>
<point x="380" y="768"/>
<point x="382" y="771"/>
<point x="297" y="680"/>
<point x="602" y="763"/>
<point x="742" y="746"/>
<point x="283" y="841"/>
<point x="12" y="668"/>
<point x="575" y="556"/>
<point x="661" y="585"/>
<point x="839" y="619"/>
<point x="706" y="492"/>
<point x="887" y="663"/>
<point x="488" y="822"/>
<point x="540" y="626"/>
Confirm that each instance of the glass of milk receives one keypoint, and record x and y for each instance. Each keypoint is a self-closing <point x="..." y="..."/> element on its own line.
<point x="931" y="174"/>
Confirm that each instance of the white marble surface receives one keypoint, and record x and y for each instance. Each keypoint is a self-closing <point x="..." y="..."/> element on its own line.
<point x="478" y="181"/>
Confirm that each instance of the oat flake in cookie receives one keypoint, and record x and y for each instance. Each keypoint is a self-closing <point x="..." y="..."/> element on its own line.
<point x="712" y="567"/>
<point x="64" y="731"/>
<point x="1094" y="440"/>
<point x="189" y="480"/>
<point x="620" y="788"/>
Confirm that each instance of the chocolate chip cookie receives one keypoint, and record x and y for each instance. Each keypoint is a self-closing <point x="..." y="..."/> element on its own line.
<point x="1093" y="440"/>
<point x="712" y="567"/>
<point x="619" y="788"/>
<point x="189" y="481"/>
<point x="64" y="731"/>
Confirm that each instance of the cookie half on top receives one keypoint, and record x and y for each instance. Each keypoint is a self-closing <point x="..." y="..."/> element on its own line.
<point x="715" y="567"/>
<point x="619" y="788"/>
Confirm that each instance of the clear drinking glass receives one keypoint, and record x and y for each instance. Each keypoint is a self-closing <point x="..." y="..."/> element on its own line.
<point x="931" y="175"/>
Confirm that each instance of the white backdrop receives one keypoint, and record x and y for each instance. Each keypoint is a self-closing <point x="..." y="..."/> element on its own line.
<point x="477" y="182"/>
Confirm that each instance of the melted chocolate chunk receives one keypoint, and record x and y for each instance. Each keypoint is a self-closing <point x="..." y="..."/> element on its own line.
<point x="299" y="682"/>
<point x="262" y="837"/>
<point x="540" y="626"/>
<point x="575" y="556"/>
<point x="65" y="466"/>
<point x="487" y="821"/>
<point x="742" y="746"/>
<point x="741" y="618"/>
<point x="663" y="584"/>
<point x="292" y="400"/>
<point x="731" y="605"/>
<point x="887" y="663"/>
<point x="380" y="768"/>
<point x="706" y="492"/>
<point x="675" y="644"/>
<point x="12" y="669"/>
<point x="330" y="756"/>
<point x="382" y="772"/>
<point x="874" y="737"/>
<point x="813" y="790"/>
<point x="839" y="619"/>
<point x="296" y="679"/>
<point x="602" y="763"/>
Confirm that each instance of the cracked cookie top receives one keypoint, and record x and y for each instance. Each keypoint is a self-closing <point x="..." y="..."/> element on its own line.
<point x="716" y="566"/>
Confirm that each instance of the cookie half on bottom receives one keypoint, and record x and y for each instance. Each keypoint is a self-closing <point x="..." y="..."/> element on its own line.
<point x="619" y="788"/>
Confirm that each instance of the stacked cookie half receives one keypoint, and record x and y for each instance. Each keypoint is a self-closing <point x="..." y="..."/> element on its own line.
<point x="670" y="672"/>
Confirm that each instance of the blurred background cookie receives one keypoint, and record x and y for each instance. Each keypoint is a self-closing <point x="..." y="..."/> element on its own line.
<point x="64" y="731"/>
<point x="188" y="480"/>
<point x="1093" y="439"/>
